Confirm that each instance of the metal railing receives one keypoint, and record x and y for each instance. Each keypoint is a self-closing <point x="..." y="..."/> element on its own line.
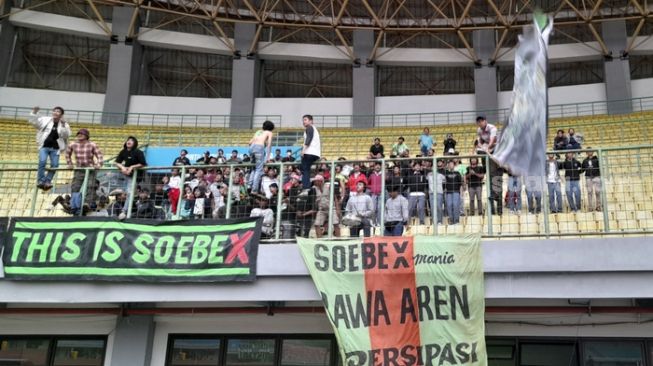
<point x="337" y="121"/>
<point x="146" y="119"/>
<point x="621" y="197"/>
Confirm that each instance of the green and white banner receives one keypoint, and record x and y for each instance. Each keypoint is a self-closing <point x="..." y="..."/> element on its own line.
<point x="134" y="250"/>
<point x="402" y="300"/>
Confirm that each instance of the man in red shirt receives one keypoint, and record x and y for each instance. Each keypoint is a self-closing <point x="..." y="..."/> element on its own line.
<point x="355" y="177"/>
<point x="87" y="155"/>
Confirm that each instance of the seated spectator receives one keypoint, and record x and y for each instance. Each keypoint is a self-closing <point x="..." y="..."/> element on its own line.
<point x="574" y="141"/>
<point x="262" y="210"/>
<point x="233" y="159"/>
<point x="354" y="178"/>
<point x="277" y="156"/>
<point x="246" y="158"/>
<point x="376" y="150"/>
<point x="220" y="156"/>
<point x="101" y="210"/>
<point x="360" y="205"/>
<point x="182" y="159"/>
<point x="269" y="178"/>
<point x="289" y="158"/>
<point x="425" y="142"/>
<point x="561" y="141"/>
<point x="449" y="144"/>
<point x="400" y="149"/>
<point x="187" y="203"/>
<point x="205" y="159"/>
<point x="119" y="204"/>
<point x="219" y="195"/>
<point x="396" y="213"/>
<point x="144" y="206"/>
<point x="203" y="203"/>
<point x="199" y="177"/>
<point x="159" y="196"/>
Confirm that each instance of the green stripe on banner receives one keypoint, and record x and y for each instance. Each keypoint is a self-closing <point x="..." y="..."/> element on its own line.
<point x="104" y="225"/>
<point x="97" y="271"/>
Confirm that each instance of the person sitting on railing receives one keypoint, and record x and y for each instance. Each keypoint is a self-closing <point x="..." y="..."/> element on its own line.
<point x="572" y="169"/>
<point x="592" y="172"/>
<point x="418" y="186"/>
<point x="87" y="155"/>
<point x="322" y="192"/>
<point x="561" y="141"/>
<point x="574" y="141"/>
<point x="259" y="148"/>
<point x="354" y="178"/>
<point x="129" y="159"/>
<point x="400" y="149"/>
<point x="51" y="138"/>
<point x="396" y="213"/>
<point x="361" y="206"/>
<point x="376" y="150"/>
<point x="486" y="136"/>
<point x="449" y="144"/>
<point x="182" y="159"/>
<point x="425" y="142"/>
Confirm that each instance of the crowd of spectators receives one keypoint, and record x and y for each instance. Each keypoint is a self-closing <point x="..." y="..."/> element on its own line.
<point x="365" y="194"/>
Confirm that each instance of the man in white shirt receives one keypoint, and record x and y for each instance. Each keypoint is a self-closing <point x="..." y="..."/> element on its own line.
<point x="361" y="205"/>
<point x="311" y="151"/>
<point x="51" y="138"/>
<point x="486" y="135"/>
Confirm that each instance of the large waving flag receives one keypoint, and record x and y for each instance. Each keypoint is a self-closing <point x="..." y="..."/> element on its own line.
<point x="402" y="300"/>
<point x="522" y="146"/>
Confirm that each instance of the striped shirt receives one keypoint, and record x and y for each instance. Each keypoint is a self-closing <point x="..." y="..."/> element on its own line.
<point x="84" y="153"/>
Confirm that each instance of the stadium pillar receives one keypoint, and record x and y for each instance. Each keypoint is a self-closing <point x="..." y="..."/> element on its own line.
<point x="7" y="40"/>
<point x="363" y="80"/>
<point x="124" y="66"/>
<point x="132" y="344"/>
<point x="617" y="68"/>
<point x="244" y="78"/>
<point x="485" y="74"/>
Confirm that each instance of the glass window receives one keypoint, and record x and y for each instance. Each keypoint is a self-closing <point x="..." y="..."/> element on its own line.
<point x="500" y="352"/>
<point x="19" y="352"/>
<point x="604" y="353"/>
<point x="542" y="354"/>
<point x="311" y="352"/>
<point x="79" y="352"/>
<point x="250" y="352"/>
<point x="199" y="352"/>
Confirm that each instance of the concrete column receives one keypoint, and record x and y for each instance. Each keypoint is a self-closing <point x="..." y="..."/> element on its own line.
<point x="485" y="75"/>
<point x="133" y="341"/>
<point x="244" y="78"/>
<point x="7" y="44"/>
<point x="124" y="67"/>
<point x="363" y="81"/>
<point x="617" y="68"/>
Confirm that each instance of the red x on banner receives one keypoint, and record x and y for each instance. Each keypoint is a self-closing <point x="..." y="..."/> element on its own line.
<point x="238" y="248"/>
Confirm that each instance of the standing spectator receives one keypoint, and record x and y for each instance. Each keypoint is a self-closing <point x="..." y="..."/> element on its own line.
<point x="436" y="191"/>
<point x="376" y="186"/>
<point x="311" y="151"/>
<point x="574" y="141"/>
<point x="303" y="206"/>
<point x="399" y="180"/>
<point x="425" y="142"/>
<point x="87" y="155"/>
<point x="452" y="183"/>
<point x="400" y="149"/>
<point x="376" y="150"/>
<point x="417" y="196"/>
<point x="267" y="227"/>
<point x="474" y="178"/>
<point x="277" y="155"/>
<point x="360" y="205"/>
<point x="182" y="159"/>
<point x="560" y="141"/>
<point x="553" y="184"/>
<point x="592" y="181"/>
<point x="396" y="213"/>
<point x="461" y="168"/>
<point x="323" y="208"/>
<point x="449" y="144"/>
<point x="129" y="159"/>
<point x="233" y="159"/>
<point x="354" y="178"/>
<point x="572" y="176"/>
<point x="534" y="194"/>
<point x="205" y="159"/>
<point x="51" y="138"/>
<point x="514" y="193"/>
<point x="257" y="150"/>
<point x="174" y="186"/>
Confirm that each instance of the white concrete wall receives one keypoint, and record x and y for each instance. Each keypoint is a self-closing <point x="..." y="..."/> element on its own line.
<point x="642" y="88"/>
<point x="46" y="99"/>
<point x="292" y="109"/>
<point x="169" y="110"/>
<point x="425" y="104"/>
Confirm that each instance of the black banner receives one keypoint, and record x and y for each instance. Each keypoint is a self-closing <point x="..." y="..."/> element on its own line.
<point x="132" y="250"/>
